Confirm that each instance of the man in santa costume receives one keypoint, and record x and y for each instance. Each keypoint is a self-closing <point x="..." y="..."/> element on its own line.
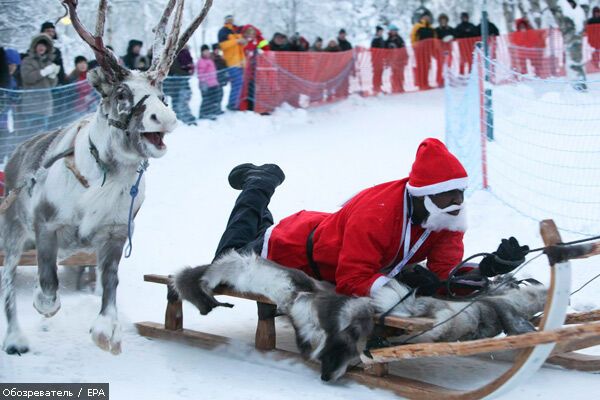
<point x="378" y="237"/>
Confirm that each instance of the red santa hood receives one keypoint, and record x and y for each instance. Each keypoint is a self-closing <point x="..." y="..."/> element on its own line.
<point x="435" y="170"/>
<point x="259" y="36"/>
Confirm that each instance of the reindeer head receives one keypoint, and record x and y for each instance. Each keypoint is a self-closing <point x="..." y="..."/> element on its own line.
<point x="132" y="101"/>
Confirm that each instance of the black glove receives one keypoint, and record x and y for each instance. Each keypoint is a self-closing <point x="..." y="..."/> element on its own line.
<point x="420" y="278"/>
<point x="510" y="255"/>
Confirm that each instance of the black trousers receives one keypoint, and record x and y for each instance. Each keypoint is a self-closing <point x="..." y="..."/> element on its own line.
<point x="249" y="220"/>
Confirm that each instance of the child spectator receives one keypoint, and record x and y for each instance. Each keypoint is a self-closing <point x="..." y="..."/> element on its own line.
<point x="209" y="85"/>
<point x="84" y="90"/>
<point x="222" y="75"/>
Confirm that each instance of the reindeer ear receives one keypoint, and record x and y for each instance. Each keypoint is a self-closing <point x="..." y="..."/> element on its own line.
<point x="100" y="81"/>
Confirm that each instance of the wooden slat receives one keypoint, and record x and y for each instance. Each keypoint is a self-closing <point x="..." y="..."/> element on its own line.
<point x="405" y="387"/>
<point x="406" y="324"/>
<point x="582" y="317"/>
<point x="29" y="258"/>
<point x="576" y="361"/>
<point x="576" y="344"/>
<point x="472" y="347"/>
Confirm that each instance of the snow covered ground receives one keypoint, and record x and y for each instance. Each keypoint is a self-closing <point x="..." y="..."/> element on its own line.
<point x="328" y="154"/>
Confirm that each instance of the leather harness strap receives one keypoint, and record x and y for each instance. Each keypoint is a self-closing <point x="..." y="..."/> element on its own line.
<point x="124" y="125"/>
<point x="69" y="156"/>
<point x="309" y="254"/>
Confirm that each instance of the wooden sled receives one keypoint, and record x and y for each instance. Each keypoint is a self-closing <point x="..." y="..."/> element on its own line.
<point x="81" y="261"/>
<point x="29" y="258"/>
<point x="552" y="342"/>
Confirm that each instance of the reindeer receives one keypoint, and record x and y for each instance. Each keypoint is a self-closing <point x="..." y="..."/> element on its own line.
<point x="82" y="202"/>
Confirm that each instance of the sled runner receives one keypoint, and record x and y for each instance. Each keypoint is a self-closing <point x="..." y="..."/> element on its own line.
<point x="555" y="341"/>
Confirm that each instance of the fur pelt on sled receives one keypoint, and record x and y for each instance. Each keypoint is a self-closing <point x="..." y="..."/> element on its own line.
<point x="333" y="328"/>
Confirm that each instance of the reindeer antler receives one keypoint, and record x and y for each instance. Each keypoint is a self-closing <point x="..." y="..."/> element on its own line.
<point x="106" y="59"/>
<point x="194" y="25"/>
<point x="163" y="49"/>
<point x="166" y="47"/>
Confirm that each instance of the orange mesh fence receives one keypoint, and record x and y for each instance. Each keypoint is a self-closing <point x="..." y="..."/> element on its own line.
<point x="302" y="79"/>
<point x="592" y="49"/>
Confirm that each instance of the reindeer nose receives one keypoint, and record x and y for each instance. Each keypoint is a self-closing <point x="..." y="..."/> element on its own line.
<point x="154" y="118"/>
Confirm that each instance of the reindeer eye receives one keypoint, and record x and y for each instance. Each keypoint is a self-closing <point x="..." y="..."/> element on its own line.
<point x="120" y="96"/>
<point x="164" y="100"/>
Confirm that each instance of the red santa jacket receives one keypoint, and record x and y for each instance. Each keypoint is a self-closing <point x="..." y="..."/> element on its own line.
<point x="352" y="245"/>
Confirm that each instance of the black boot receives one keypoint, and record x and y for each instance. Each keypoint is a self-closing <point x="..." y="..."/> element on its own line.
<point x="267" y="174"/>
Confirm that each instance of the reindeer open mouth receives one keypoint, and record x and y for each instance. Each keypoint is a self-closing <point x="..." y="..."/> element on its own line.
<point x="156" y="138"/>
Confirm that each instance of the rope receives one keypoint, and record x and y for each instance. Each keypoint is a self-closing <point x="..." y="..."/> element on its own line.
<point x="479" y="294"/>
<point x="133" y="192"/>
<point x="585" y="284"/>
<point x="476" y="299"/>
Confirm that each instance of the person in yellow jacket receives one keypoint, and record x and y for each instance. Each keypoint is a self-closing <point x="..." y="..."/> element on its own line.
<point x="232" y="44"/>
<point x="424" y="50"/>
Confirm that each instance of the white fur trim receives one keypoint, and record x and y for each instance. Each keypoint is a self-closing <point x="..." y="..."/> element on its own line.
<point x="265" y="249"/>
<point x="378" y="284"/>
<point x="389" y="296"/>
<point x="441" y="187"/>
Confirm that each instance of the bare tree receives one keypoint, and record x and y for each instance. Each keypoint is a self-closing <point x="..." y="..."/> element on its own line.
<point x="570" y="20"/>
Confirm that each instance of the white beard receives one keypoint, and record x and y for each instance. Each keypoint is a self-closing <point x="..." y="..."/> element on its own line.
<point x="439" y="219"/>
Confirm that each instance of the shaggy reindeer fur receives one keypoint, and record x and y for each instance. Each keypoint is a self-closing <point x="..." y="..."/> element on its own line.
<point x="329" y="327"/>
<point x="333" y="328"/>
<point x="57" y="215"/>
<point x="507" y="308"/>
<point x="84" y="206"/>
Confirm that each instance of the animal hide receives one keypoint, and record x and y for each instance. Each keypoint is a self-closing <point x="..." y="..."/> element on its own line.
<point x="333" y="328"/>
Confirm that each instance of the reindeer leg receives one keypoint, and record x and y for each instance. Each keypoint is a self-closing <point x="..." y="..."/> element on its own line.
<point x="45" y="298"/>
<point x="14" y="342"/>
<point x="106" y="330"/>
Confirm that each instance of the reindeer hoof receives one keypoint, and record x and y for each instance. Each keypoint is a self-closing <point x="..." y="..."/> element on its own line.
<point x="15" y="343"/>
<point x="46" y="305"/>
<point x="106" y="334"/>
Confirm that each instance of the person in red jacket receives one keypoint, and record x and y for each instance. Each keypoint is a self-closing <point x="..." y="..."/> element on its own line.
<point x="528" y="44"/>
<point x="255" y="45"/>
<point x="378" y="235"/>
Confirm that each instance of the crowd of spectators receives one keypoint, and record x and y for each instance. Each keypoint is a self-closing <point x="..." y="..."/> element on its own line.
<point x="231" y="61"/>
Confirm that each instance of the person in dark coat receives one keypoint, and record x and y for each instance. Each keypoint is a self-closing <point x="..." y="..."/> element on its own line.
<point x="38" y="71"/>
<point x="9" y="64"/>
<point x="332" y="47"/>
<point x="279" y="42"/>
<point x="177" y="86"/>
<point x="49" y="29"/>
<point x="493" y="33"/>
<point x="342" y="41"/>
<point x="492" y="29"/>
<point x="445" y="33"/>
<point x="84" y="101"/>
<point x="298" y="43"/>
<point x="132" y="57"/>
<point x="222" y="76"/>
<point x="61" y="99"/>
<point x="344" y="87"/>
<point x="317" y="45"/>
<point x="378" y="41"/>
<point x="420" y="37"/>
<point x="377" y="58"/>
<point x="465" y="31"/>
<point x="593" y="35"/>
<point x="397" y="58"/>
